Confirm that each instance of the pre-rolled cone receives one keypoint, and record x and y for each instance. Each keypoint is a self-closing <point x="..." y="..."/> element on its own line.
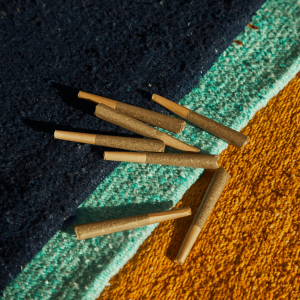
<point x="128" y="143"/>
<point x="170" y="159"/>
<point x="110" y="115"/>
<point x="147" y="116"/>
<point x="225" y="133"/>
<point x="184" y="160"/>
<point x="119" y="142"/>
<point x="87" y="231"/>
<point x="211" y="197"/>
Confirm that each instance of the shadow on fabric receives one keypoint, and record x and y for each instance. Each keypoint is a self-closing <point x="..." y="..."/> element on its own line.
<point x="85" y="215"/>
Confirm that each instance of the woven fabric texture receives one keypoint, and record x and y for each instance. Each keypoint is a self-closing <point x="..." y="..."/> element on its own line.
<point x="119" y="49"/>
<point x="240" y="83"/>
<point x="249" y="247"/>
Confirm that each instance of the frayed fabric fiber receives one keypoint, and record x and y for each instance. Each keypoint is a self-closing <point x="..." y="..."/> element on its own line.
<point x="123" y="50"/>
<point x="241" y="82"/>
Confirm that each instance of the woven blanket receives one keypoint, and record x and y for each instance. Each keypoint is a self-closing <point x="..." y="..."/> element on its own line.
<point x="241" y="82"/>
<point x="123" y="50"/>
<point x="249" y="247"/>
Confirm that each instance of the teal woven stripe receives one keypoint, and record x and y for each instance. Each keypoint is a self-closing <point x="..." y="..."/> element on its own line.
<point x="239" y="84"/>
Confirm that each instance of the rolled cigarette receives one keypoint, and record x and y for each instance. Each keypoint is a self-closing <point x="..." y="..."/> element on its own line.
<point x="119" y="142"/>
<point x="110" y="115"/>
<point x="211" y="197"/>
<point x="225" y="133"/>
<point x="147" y="116"/>
<point x="87" y="231"/>
<point x="170" y="159"/>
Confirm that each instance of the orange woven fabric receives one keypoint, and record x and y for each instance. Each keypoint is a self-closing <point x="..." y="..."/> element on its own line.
<point x="249" y="247"/>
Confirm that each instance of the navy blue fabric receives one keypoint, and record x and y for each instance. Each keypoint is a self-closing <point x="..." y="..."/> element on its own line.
<point x="124" y="50"/>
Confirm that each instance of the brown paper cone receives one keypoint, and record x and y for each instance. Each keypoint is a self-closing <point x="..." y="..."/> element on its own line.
<point x="125" y="156"/>
<point x="225" y="133"/>
<point x="97" y="99"/>
<point x="172" y="142"/>
<point x="169" y="215"/>
<point x="170" y="105"/>
<point x="169" y="159"/>
<point x="188" y="243"/>
<point x="127" y="143"/>
<point x="110" y="115"/>
<point x="211" y="197"/>
<point x="78" y="137"/>
<point x="134" y="144"/>
<point x="147" y="116"/>
<point x="87" y="231"/>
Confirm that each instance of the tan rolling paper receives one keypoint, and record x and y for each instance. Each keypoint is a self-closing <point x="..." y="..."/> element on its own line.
<point x="110" y="115"/>
<point x="127" y="143"/>
<point x="147" y="116"/>
<point x="225" y="133"/>
<point x="87" y="231"/>
<point x="211" y="197"/>
<point x="170" y="159"/>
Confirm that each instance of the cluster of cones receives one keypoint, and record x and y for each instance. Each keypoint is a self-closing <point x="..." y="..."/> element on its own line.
<point x="151" y="151"/>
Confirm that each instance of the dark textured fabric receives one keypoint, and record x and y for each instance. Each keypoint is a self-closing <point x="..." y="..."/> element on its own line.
<point x="123" y="50"/>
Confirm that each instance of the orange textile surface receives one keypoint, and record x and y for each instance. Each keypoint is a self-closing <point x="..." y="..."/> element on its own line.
<point x="249" y="247"/>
